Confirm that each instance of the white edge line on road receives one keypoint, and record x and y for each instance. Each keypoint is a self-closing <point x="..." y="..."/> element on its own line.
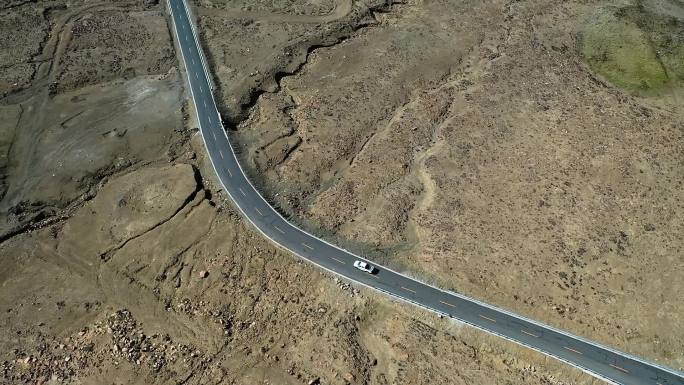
<point x="197" y="42"/>
<point x="395" y="296"/>
<point x="586" y="370"/>
<point x="544" y="326"/>
<point x="448" y="292"/>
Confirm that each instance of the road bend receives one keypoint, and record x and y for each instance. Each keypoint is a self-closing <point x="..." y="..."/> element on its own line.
<point x="598" y="360"/>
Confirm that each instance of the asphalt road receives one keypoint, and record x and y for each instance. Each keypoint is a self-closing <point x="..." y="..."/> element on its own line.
<point x="597" y="360"/>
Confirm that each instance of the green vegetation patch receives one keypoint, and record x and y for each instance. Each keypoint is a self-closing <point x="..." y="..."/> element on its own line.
<point x="639" y="46"/>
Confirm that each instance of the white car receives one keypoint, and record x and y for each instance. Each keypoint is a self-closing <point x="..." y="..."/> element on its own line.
<point x="364" y="266"/>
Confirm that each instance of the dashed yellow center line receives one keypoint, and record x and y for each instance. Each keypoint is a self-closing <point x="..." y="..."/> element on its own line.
<point x="573" y="350"/>
<point x="487" y="318"/>
<point x="447" y="303"/>
<point x="619" y="368"/>
<point x="307" y="246"/>
<point x="258" y="211"/>
<point x="242" y="192"/>
<point x="529" y="334"/>
<point x="340" y="261"/>
<point x="407" y="289"/>
<point x="279" y="229"/>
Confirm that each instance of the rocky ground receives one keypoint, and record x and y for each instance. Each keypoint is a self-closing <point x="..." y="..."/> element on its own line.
<point x="431" y="140"/>
<point x="155" y="280"/>
<point x="421" y="133"/>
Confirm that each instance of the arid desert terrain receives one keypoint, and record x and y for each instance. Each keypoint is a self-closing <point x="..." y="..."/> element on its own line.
<point x="527" y="153"/>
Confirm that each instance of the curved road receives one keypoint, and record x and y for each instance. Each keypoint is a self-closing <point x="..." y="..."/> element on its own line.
<point x="597" y="360"/>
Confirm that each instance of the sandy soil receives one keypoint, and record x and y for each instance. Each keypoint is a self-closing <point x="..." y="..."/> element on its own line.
<point x="130" y="300"/>
<point x="433" y="141"/>
<point x="23" y="31"/>
<point x="422" y="133"/>
<point x="123" y="262"/>
<point x="67" y="133"/>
